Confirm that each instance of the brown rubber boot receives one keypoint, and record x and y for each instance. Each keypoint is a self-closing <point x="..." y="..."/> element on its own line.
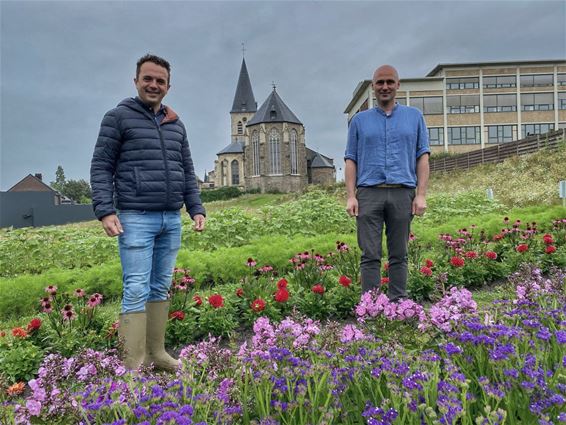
<point x="157" y="315"/>
<point x="132" y="330"/>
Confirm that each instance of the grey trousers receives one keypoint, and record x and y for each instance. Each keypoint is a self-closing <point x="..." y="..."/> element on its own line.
<point x="392" y="207"/>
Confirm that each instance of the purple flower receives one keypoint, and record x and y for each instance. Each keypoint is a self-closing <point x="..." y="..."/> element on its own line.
<point x="34" y="407"/>
<point x="561" y="337"/>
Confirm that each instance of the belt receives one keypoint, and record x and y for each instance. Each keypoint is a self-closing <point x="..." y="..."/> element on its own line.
<point x="390" y="186"/>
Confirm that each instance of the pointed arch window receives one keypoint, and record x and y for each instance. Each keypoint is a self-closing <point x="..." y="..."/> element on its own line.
<point x="274" y="152"/>
<point x="240" y="127"/>
<point x="255" y="153"/>
<point x="294" y="158"/>
<point x="235" y="168"/>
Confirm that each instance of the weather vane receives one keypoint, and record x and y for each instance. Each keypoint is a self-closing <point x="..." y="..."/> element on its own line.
<point x="273" y="84"/>
<point x="243" y="49"/>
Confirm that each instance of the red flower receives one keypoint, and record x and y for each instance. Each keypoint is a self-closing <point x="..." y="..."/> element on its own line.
<point x="16" y="389"/>
<point x="498" y="237"/>
<point x="19" y="332"/>
<point x="282" y="295"/>
<point x="384" y="280"/>
<point x="216" y="300"/>
<point x="258" y="305"/>
<point x="522" y="248"/>
<point x="457" y="262"/>
<point x="318" y="289"/>
<point x="491" y="255"/>
<point x="177" y="315"/>
<point x="2" y="334"/>
<point x="550" y="249"/>
<point x="429" y="263"/>
<point x="282" y="283"/>
<point x="344" y="281"/>
<point x="34" y="324"/>
<point x="547" y="239"/>
<point x="386" y="266"/>
<point x="197" y="299"/>
<point x="426" y="271"/>
<point x="240" y="292"/>
<point x="471" y="254"/>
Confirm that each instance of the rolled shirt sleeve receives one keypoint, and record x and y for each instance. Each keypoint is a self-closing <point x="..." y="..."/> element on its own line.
<point x="352" y="144"/>
<point x="422" y="138"/>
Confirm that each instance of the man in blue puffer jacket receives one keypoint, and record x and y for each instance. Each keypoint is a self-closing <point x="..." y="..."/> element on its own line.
<point x="141" y="175"/>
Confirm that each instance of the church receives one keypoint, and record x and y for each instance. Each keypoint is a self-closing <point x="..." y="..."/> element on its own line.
<point x="267" y="151"/>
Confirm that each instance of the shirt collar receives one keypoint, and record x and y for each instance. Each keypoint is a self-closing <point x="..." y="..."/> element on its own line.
<point x="382" y="112"/>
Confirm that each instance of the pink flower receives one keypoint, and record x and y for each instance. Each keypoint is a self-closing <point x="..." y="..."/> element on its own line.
<point x="457" y="261"/>
<point x="79" y="293"/>
<point x="344" y="281"/>
<point x="491" y="255"/>
<point x="51" y="289"/>
<point x="94" y="300"/>
<point x="471" y="254"/>
<point x="550" y="249"/>
<point x="522" y="248"/>
<point x="251" y="262"/>
<point x="177" y="315"/>
<point x="384" y="280"/>
<point x="318" y="289"/>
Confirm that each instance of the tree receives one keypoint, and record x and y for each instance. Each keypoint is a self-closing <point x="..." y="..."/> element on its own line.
<point x="60" y="181"/>
<point x="78" y="191"/>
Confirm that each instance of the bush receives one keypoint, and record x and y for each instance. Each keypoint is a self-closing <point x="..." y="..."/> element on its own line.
<point x="220" y="194"/>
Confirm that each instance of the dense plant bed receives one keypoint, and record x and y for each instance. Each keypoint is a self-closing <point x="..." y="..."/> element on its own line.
<point x="398" y="364"/>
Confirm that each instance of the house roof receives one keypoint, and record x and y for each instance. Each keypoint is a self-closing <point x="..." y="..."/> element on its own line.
<point x="274" y="110"/>
<point x="234" y="147"/>
<point x="244" y="100"/>
<point x="319" y="160"/>
<point x="34" y="180"/>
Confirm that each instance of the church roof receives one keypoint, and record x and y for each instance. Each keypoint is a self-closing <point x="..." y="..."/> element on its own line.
<point x="317" y="160"/>
<point x="274" y="110"/>
<point x="244" y="100"/>
<point x="234" y="147"/>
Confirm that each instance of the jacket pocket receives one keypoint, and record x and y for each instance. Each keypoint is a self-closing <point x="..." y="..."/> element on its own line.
<point x="138" y="180"/>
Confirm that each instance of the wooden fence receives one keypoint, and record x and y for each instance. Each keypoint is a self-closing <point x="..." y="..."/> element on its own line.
<point x="499" y="152"/>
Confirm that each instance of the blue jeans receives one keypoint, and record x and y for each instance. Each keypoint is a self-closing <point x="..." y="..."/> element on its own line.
<point x="148" y="251"/>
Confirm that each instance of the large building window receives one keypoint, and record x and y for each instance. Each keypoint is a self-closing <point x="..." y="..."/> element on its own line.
<point x="436" y="136"/>
<point x="464" y="135"/>
<point x="500" y="103"/>
<point x="544" y="80"/>
<point x="240" y="127"/>
<point x="235" y="168"/>
<point x="463" y="104"/>
<point x="537" y="101"/>
<point x="255" y="153"/>
<point x="294" y="157"/>
<point x="428" y="105"/>
<point x="561" y="80"/>
<point x="462" y="83"/>
<point x="562" y="100"/>
<point x="274" y="152"/>
<point x="501" y="133"/>
<point x="531" y="129"/>
<point x="503" y="81"/>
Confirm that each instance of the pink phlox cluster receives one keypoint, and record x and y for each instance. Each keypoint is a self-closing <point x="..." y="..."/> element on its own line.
<point x="528" y="290"/>
<point x="264" y="334"/>
<point x="372" y="305"/>
<point x="351" y="333"/>
<point x="452" y="308"/>
<point x="206" y="354"/>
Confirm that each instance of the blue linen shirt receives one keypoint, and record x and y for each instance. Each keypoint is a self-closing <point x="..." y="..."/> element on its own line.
<point x="385" y="148"/>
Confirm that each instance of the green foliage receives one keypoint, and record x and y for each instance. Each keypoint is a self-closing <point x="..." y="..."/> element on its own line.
<point x="220" y="194"/>
<point x="444" y="206"/>
<point x="519" y="181"/>
<point x="20" y="361"/>
<point x="78" y="191"/>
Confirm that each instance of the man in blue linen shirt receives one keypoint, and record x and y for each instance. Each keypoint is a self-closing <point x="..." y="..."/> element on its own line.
<point x="387" y="169"/>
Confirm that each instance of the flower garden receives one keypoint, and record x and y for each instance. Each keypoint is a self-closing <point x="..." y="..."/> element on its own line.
<point x="284" y="337"/>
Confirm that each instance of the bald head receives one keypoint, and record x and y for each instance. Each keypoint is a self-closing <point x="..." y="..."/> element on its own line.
<point x="385" y="70"/>
<point x="385" y="84"/>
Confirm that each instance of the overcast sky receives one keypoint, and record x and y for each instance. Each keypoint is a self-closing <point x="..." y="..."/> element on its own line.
<point x="65" y="63"/>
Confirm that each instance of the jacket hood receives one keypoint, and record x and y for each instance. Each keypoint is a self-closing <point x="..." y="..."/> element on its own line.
<point x="132" y="103"/>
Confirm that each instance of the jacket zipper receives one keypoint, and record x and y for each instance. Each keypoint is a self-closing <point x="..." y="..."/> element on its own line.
<point x="164" y="153"/>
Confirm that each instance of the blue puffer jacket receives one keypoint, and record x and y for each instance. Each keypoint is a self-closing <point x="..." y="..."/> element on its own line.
<point x="139" y="165"/>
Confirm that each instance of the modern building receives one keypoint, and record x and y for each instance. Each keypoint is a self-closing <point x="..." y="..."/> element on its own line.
<point x="267" y="150"/>
<point x="468" y="106"/>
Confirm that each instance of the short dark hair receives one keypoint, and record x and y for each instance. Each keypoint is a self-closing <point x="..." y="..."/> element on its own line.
<point x="156" y="60"/>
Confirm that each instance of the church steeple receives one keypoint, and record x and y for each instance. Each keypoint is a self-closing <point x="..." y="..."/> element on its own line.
<point x="244" y="100"/>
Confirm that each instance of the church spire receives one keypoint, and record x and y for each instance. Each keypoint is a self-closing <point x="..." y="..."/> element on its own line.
<point x="244" y="100"/>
